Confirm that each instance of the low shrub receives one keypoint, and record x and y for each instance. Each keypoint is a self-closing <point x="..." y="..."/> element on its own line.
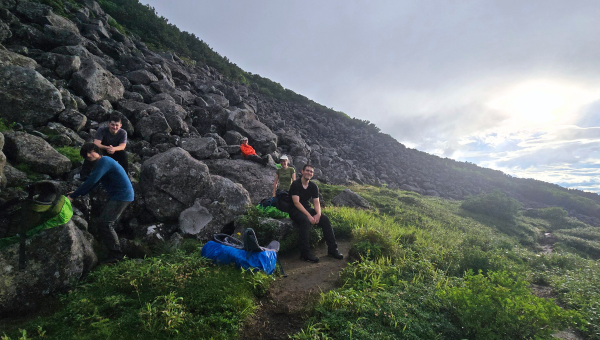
<point x="495" y="203"/>
<point x="497" y="306"/>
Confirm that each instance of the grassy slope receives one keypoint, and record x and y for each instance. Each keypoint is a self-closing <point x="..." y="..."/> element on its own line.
<point x="411" y="283"/>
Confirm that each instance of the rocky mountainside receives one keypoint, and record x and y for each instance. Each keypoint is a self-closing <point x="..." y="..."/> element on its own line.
<point x="60" y="79"/>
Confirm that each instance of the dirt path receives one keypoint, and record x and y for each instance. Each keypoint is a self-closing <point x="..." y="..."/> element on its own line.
<point x="284" y="311"/>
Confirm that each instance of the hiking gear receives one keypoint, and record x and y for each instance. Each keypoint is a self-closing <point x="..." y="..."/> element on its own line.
<point x="335" y="254"/>
<point x="269" y="202"/>
<point x="247" y="254"/>
<point x="284" y="201"/>
<point x="309" y="258"/>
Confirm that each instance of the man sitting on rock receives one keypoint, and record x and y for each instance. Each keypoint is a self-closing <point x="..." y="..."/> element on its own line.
<point x="250" y="154"/>
<point x="112" y="141"/>
<point x="284" y="176"/>
<point x="302" y="191"/>
<point x="114" y="179"/>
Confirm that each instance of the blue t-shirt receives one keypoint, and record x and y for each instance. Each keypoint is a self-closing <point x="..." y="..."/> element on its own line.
<point x="112" y="177"/>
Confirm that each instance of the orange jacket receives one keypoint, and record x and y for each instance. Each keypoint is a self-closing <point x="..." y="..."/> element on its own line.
<point x="247" y="150"/>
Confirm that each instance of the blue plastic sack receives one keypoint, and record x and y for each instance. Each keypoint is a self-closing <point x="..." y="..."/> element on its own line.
<point x="222" y="254"/>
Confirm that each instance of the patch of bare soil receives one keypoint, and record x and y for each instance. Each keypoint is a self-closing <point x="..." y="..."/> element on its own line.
<point x="285" y="309"/>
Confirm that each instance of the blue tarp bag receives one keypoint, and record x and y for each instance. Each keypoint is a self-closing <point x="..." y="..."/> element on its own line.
<point x="227" y="250"/>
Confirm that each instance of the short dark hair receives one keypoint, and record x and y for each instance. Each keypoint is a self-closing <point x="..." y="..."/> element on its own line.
<point x="115" y="118"/>
<point x="307" y="165"/>
<point x="87" y="148"/>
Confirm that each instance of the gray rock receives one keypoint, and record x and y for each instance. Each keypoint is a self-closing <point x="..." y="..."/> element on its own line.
<point x="73" y="119"/>
<point x="219" y="139"/>
<point x="349" y="198"/>
<point x="33" y="11"/>
<point x="141" y="77"/>
<point x="14" y="177"/>
<point x="193" y="219"/>
<point x="77" y="50"/>
<point x="96" y="84"/>
<point x="5" y="32"/>
<point x="56" y="260"/>
<point x="37" y="153"/>
<point x="233" y="138"/>
<point x="54" y="128"/>
<point x="63" y="65"/>
<point x="255" y="178"/>
<point x="171" y="181"/>
<point x="199" y="148"/>
<point x="99" y="111"/>
<point x="259" y="135"/>
<point x="151" y="125"/>
<point x="27" y="97"/>
<point x="168" y="107"/>
<point x="10" y="58"/>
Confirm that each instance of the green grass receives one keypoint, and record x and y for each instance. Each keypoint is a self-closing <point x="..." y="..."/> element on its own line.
<point x="181" y="295"/>
<point x="71" y="153"/>
<point x="422" y="268"/>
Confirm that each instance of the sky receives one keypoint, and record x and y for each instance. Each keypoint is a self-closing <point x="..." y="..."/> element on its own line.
<point x="508" y="85"/>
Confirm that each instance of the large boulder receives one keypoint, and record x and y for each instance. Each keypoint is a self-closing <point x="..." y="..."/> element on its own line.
<point x="141" y="77"/>
<point x="259" y="135"/>
<point x="349" y="198"/>
<point x="27" y="97"/>
<point x="95" y="83"/>
<point x="255" y="178"/>
<point x="199" y="148"/>
<point x="11" y="58"/>
<point x="56" y="260"/>
<point x="224" y="202"/>
<point x="22" y="147"/>
<point x="150" y="125"/>
<point x="171" y="181"/>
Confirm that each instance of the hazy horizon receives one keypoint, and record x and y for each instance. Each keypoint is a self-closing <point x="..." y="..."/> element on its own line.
<point x="506" y="85"/>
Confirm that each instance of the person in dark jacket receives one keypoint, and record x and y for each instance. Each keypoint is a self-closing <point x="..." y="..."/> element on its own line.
<point x="302" y="191"/>
<point x="113" y="178"/>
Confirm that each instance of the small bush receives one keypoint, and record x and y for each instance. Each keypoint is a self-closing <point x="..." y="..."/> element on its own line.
<point x="372" y="244"/>
<point x="495" y="203"/>
<point x="496" y="306"/>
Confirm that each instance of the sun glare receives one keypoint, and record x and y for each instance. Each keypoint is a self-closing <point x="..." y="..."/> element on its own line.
<point x="543" y="102"/>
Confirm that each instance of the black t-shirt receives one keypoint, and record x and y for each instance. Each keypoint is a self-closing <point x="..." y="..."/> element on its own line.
<point x="103" y="134"/>
<point x="306" y="195"/>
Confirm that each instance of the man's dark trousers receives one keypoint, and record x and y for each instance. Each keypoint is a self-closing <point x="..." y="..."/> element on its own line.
<point x="304" y="225"/>
<point x="106" y="224"/>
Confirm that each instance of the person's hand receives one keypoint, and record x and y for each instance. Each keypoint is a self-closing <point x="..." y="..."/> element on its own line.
<point x="69" y="196"/>
<point x="312" y="220"/>
<point x="110" y="149"/>
<point x="317" y="217"/>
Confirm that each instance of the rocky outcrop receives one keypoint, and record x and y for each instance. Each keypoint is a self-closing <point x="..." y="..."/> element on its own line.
<point x="171" y="181"/>
<point x="199" y="148"/>
<point x="348" y="198"/>
<point x="56" y="259"/>
<point x="95" y="83"/>
<point x="257" y="179"/>
<point x="27" y="97"/>
<point x="35" y="152"/>
<point x="259" y="135"/>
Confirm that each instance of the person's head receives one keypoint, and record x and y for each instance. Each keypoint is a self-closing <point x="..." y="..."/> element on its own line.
<point x="90" y="151"/>
<point x="308" y="171"/>
<point x="114" y="123"/>
<point x="245" y="140"/>
<point x="283" y="160"/>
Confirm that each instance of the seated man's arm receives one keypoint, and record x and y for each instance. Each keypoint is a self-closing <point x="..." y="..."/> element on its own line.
<point x="99" y="144"/>
<point x="299" y="206"/>
<point x="317" y="205"/>
<point x="121" y="147"/>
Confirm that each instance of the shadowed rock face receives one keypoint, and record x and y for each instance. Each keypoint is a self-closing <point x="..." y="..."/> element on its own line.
<point x="95" y="84"/>
<point x="349" y="198"/>
<point x="56" y="259"/>
<point x="27" y="97"/>
<point x="22" y="147"/>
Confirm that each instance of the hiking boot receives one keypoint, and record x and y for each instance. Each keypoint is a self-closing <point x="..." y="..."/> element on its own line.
<point x="309" y="258"/>
<point x="335" y="254"/>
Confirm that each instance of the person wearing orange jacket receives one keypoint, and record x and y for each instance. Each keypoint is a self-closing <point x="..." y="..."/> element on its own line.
<point x="250" y="154"/>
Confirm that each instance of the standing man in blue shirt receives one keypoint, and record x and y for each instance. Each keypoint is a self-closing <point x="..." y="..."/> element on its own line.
<point x="114" y="179"/>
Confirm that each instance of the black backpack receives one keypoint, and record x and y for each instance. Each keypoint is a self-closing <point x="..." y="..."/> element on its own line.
<point x="284" y="201"/>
